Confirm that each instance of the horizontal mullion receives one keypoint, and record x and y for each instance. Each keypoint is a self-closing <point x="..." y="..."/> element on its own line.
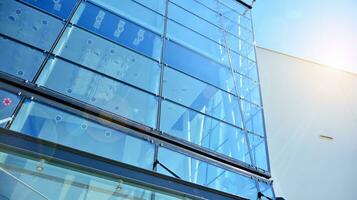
<point x="64" y="102"/>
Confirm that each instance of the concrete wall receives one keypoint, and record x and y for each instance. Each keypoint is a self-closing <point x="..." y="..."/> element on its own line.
<point x="302" y="101"/>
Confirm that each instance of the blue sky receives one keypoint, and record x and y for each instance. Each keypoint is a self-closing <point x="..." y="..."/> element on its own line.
<point x="324" y="31"/>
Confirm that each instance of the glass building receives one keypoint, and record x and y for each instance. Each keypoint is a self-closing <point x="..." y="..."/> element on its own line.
<point x="130" y="99"/>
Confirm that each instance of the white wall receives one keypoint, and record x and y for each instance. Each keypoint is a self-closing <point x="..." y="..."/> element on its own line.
<point x="302" y="101"/>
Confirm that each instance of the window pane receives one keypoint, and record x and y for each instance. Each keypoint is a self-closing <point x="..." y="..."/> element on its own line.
<point x="201" y="97"/>
<point x="19" y="60"/>
<point x="198" y="66"/>
<point x="266" y="189"/>
<point x="253" y="116"/>
<point x="8" y="103"/>
<point x="119" y="30"/>
<point x="134" y="12"/>
<point x="259" y="153"/>
<point x="195" y="23"/>
<point x="61" y="9"/>
<point x="99" y="91"/>
<point x="56" y="181"/>
<point x="232" y="4"/>
<point x="248" y="89"/>
<point x="244" y="66"/>
<point x="28" y="25"/>
<point x="204" y="131"/>
<point x="197" y="42"/>
<point x="157" y="5"/>
<point x="104" y="56"/>
<point x="197" y="171"/>
<point x="200" y="10"/>
<point x="44" y="122"/>
<point x="238" y="45"/>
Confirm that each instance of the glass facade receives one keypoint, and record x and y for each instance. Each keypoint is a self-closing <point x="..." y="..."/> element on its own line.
<point x="183" y="69"/>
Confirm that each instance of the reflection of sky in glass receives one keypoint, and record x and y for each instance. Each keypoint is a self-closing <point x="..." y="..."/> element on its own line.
<point x="321" y="31"/>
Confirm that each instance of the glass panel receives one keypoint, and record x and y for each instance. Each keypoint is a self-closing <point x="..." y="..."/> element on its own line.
<point x="104" y="56"/>
<point x="19" y="60"/>
<point x="28" y="25"/>
<point x="203" y="173"/>
<point x="232" y="4"/>
<point x="196" y="23"/>
<point x="204" y="131"/>
<point x="212" y="4"/>
<point x="197" y="42"/>
<point x="119" y="30"/>
<point x="266" y="189"/>
<point x="8" y="104"/>
<point x="260" y="157"/>
<point x="44" y="122"/>
<point x="201" y="97"/>
<point x="200" y="10"/>
<point x="238" y="45"/>
<point x="248" y="89"/>
<point x="56" y="181"/>
<point x="198" y="66"/>
<point x="59" y="8"/>
<point x="157" y="5"/>
<point x="253" y="116"/>
<point x="13" y="189"/>
<point x="99" y="91"/>
<point x="244" y="66"/>
<point x="134" y="12"/>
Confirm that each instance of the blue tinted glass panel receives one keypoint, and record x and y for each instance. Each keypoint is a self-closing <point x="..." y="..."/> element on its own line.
<point x="120" y="30"/>
<point x="109" y="58"/>
<point x="200" y="10"/>
<point x="19" y="60"/>
<point x="212" y="4"/>
<point x="197" y="42"/>
<point x="8" y="103"/>
<point x="244" y="66"/>
<point x="240" y="46"/>
<point x="60" y="8"/>
<point x="134" y="12"/>
<point x="258" y="147"/>
<point x="156" y="5"/>
<point x="248" y="89"/>
<point x="201" y="97"/>
<point x="204" y="131"/>
<point x="195" y="23"/>
<point x="99" y="91"/>
<point x="266" y="189"/>
<point x="28" y="25"/>
<point x="253" y="116"/>
<point x="198" y="66"/>
<point x="57" y="181"/>
<point x="57" y="126"/>
<point x="203" y="173"/>
<point x="233" y="4"/>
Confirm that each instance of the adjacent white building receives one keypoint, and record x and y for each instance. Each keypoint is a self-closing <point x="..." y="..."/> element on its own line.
<point x="311" y="122"/>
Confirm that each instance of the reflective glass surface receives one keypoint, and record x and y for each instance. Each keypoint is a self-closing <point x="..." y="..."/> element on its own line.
<point x="196" y="65"/>
<point x="204" y="131"/>
<point x="259" y="153"/>
<point x="109" y="58"/>
<point x="55" y="181"/>
<point x="266" y="189"/>
<point x="118" y="29"/>
<point x="48" y="123"/>
<point x="197" y="42"/>
<point x="100" y="91"/>
<point x="209" y="175"/>
<point x="244" y="66"/>
<point x="248" y="89"/>
<point x="134" y="12"/>
<point x="28" y="25"/>
<point x="156" y="5"/>
<point x="59" y="8"/>
<point x="8" y="103"/>
<point x="201" y="97"/>
<point x="19" y="60"/>
<point x="253" y="116"/>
